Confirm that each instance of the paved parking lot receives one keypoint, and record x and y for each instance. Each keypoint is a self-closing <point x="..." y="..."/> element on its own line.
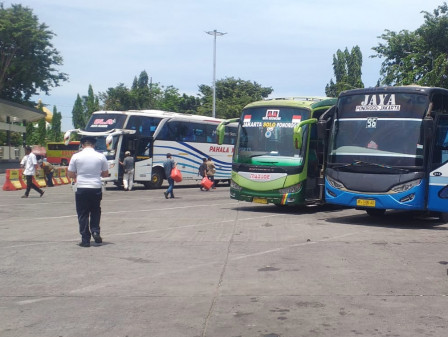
<point x="205" y="265"/>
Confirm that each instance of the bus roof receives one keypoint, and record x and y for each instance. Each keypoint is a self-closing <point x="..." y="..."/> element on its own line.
<point x="403" y="89"/>
<point x="311" y="102"/>
<point x="71" y="142"/>
<point x="161" y="114"/>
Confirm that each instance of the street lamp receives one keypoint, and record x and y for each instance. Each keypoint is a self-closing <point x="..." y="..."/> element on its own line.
<point x="215" y="33"/>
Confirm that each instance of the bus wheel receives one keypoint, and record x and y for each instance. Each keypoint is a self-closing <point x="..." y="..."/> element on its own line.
<point x="375" y="212"/>
<point x="156" y="179"/>
<point x="443" y="217"/>
<point x="64" y="162"/>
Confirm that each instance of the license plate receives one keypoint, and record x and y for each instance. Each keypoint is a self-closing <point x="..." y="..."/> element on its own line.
<point x="260" y="200"/>
<point x="365" y="202"/>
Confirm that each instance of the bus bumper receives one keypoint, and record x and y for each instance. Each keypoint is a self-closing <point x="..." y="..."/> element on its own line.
<point x="267" y="198"/>
<point x="412" y="199"/>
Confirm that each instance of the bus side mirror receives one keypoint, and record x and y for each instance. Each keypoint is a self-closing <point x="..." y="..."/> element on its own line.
<point x="220" y="130"/>
<point x="325" y="120"/>
<point x="322" y="129"/>
<point x="67" y="137"/>
<point x="109" y="139"/>
<point x="428" y="127"/>
<point x="298" y="132"/>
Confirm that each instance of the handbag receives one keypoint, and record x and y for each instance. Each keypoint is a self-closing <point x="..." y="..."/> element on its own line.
<point x="176" y="175"/>
<point x="206" y="183"/>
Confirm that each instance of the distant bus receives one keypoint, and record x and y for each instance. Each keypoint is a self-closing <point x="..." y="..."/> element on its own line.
<point x="59" y="153"/>
<point x="150" y="134"/>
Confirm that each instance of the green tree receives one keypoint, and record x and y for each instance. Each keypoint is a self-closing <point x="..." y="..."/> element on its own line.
<point x="78" y="119"/>
<point x="84" y="107"/>
<point x="347" y="72"/>
<point x="231" y="96"/>
<point x="41" y="132"/>
<point x="189" y="104"/>
<point x="144" y="94"/>
<point x="416" y="57"/>
<point x="55" y="133"/>
<point x="141" y="92"/>
<point x="91" y="103"/>
<point x="30" y="137"/>
<point x="28" y="59"/>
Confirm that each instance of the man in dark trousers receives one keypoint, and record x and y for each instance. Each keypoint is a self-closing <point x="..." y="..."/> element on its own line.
<point x="29" y="163"/>
<point x="168" y="165"/>
<point x="87" y="167"/>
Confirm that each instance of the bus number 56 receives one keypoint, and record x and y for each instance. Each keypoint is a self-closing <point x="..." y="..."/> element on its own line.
<point x="371" y="122"/>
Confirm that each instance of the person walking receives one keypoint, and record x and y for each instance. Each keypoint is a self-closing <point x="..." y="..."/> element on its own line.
<point x="87" y="167"/>
<point x="128" y="175"/>
<point x="211" y="170"/>
<point x="29" y="163"/>
<point x="48" y="171"/>
<point x="203" y="170"/>
<point x="168" y="165"/>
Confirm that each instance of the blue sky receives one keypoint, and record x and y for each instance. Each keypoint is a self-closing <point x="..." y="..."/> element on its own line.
<point x="284" y="44"/>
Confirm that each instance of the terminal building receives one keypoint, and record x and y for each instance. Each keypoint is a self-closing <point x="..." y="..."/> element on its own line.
<point x="14" y="118"/>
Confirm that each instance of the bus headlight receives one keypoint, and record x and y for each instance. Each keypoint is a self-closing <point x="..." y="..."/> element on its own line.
<point x="336" y="184"/>
<point x="405" y="186"/>
<point x="235" y="186"/>
<point x="111" y="165"/>
<point x="291" y="189"/>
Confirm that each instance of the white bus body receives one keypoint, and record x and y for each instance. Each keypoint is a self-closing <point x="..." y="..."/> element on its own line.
<point x="150" y="134"/>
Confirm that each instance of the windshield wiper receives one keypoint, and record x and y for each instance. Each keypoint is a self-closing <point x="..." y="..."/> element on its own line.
<point x="359" y="163"/>
<point x="263" y="154"/>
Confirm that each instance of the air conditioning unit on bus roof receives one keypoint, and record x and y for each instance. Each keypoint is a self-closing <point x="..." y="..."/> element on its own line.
<point x="298" y="98"/>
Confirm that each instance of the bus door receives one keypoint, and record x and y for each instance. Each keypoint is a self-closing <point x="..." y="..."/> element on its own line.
<point x="438" y="177"/>
<point x="143" y="159"/>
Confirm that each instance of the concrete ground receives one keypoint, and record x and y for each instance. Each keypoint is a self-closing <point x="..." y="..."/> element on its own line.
<point x="205" y="265"/>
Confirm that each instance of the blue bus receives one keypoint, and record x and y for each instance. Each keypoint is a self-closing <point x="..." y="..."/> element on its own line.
<point x="388" y="149"/>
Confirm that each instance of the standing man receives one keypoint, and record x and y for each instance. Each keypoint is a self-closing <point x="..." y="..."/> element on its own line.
<point x="168" y="165"/>
<point x="87" y="167"/>
<point x="29" y="163"/>
<point x="128" y="175"/>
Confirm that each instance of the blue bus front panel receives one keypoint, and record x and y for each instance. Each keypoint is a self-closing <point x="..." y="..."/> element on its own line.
<point x="412" y="199"/>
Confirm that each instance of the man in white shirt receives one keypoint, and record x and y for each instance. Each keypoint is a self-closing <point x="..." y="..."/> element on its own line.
<point x="29" y="163"/>
<point x="87" y="167"/>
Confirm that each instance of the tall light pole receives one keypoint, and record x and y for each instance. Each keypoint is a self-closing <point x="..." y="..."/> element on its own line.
<point x="215" y="33"/>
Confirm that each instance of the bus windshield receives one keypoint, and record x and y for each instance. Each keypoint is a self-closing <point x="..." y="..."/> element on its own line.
<point x="378" y="129"/>
<point x="268" y="132"/>
<point x="101" y="147"/>
<point x="105" y="122"/>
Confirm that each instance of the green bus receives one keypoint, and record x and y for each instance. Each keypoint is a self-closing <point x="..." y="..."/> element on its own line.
<point x="278" y="158"/>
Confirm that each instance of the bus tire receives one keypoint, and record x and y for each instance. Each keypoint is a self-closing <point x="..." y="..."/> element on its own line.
<point x="443" y="217"/>
<point x="156" y="179"/>
<point x="64" y="162"/>
<point x="376" y="212"/>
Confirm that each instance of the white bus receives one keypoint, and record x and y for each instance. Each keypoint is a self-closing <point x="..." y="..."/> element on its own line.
<point x="150" y="134"/>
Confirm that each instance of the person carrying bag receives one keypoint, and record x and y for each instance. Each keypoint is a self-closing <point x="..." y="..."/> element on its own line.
<point x="168" y="166"/>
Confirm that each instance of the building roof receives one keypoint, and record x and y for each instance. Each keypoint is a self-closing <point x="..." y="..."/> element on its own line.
<point x="20" y="111"/>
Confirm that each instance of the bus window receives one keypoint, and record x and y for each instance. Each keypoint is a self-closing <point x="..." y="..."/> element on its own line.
<point x="199" y="132"/>
<point x="210" y="133"/>
<point x="145" y="126"/>
<point x="230" y="135"/>
<point x="440" y="154"/>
